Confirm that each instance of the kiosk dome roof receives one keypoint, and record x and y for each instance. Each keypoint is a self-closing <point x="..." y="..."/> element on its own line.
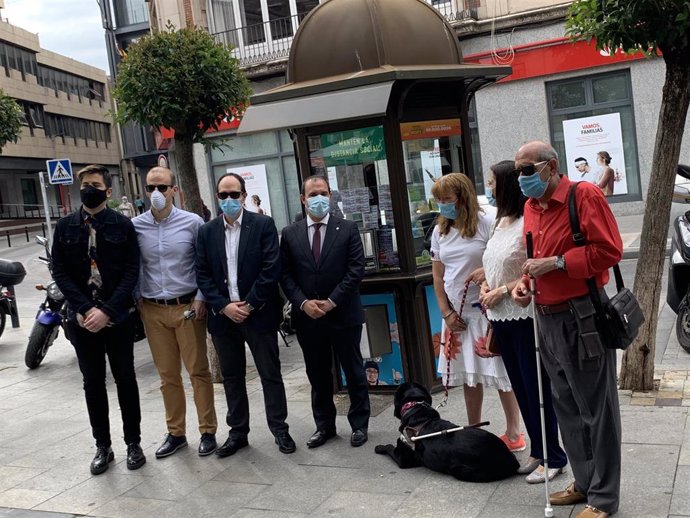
<point x="349" y="36"/>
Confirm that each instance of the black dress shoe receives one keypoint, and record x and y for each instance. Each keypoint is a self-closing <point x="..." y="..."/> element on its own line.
<point x="207" y="444"/>
<point x="171" y="444"/>
<point x="358" y="437"/>
<point x="231" y="446"/>
<point x="319" y="438"/>
<point x="285" y="443"/>
<point x="135" y="456"/>
<point x="104" y="455"/>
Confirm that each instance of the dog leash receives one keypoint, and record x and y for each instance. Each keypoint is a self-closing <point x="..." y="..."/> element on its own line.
<point x="444" y="401"/>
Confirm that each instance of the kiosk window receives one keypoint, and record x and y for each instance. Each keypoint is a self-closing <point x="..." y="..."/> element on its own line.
<point x="429" y="150"/>
<point x="355" y="164"/>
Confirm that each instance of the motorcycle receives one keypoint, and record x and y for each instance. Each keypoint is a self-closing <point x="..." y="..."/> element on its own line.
<point x="11" y="274"/>
<point x="678" y="292"/>
<point x="51" y="315"/>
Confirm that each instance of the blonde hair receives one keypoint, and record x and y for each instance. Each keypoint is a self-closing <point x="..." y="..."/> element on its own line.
<point x="468" y="207"/>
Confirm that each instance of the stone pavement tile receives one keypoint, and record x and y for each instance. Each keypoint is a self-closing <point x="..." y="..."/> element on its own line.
<point x="650" y="502"/>
<point x="215" y="499"/>
<point x="653" y="425"/>
<point x="90" y="495"/>
<point x="11" y="476"/>
<point x="10" y="453"/>
<point x="385" y="477"/>
<point x="23" y="513"/>
<point x="173" y="484"/>
<point x="648" y="466"/>
<point x="359" y="504"/>
<point x="24" y="498"/>
<point x="680" y="503"/>
<point x="642" y="401"/>
<point x="442" y="495"/>
<point x="71" y="472"/>
<point x="261" y="513"/>
<point x="125" y="507"/>
<point x="521" y="511"/>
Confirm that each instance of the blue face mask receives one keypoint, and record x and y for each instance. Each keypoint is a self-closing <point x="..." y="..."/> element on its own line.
<point x="448" y="210"/>
<point x="231" y="208"/>
<point x="318" y="206"/>
<point x="533" y="186"/>
<point x="490" y="197"/>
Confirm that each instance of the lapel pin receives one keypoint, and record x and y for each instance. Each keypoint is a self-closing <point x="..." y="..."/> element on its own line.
<point x="337" y="228"/>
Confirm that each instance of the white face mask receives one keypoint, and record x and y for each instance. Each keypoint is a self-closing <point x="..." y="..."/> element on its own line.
<point x="158" y="200"/>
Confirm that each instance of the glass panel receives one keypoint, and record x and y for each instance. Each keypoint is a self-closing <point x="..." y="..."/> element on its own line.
<point x="279" y="15"/>
<point x="355" y="163"/>
<point x="292" y="188"/>
<point x="286" y="142"/>
<point x="611" y="88"/>
<point x="427" y="150"/>
<point x="130" y="12"/>
<point x="223" y="16"/>
<point x="567" y="95"/>
<point x="246" y="146"/>
<point x="29" y="192"/>
<point x="304" y="6"/>
<point x="252" y="21"/>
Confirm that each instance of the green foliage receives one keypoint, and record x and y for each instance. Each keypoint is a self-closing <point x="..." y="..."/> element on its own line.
<point x="634" y="26"/>
<point x="10" y="122"/>
<point x="181" y="80"/>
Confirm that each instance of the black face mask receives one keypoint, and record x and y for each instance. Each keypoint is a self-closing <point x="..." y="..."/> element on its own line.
<point x="92" y="197"/>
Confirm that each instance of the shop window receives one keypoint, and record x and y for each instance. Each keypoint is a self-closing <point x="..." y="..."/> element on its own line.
<point x="29" y="191"/>
<point x="246" y="146"/>
<point x="592" y="122"/>
<point x="355" y="164"/>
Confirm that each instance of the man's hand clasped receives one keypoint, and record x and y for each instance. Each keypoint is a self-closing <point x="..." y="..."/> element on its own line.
<point x="199" y="307"/>
<point x="317" y="308"/>
<point x="94" y="320"/>
<point x="236" y="311"/>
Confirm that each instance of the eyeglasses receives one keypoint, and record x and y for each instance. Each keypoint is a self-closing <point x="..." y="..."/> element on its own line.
<point x="161" y="188"/>
<point x="235" y="195"/>
<point x="529" y="169"/>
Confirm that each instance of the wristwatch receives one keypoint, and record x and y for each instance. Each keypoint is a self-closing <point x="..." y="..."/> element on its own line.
<point x="249" y="307"/>
<point x="504" y="290"/>
<point x="560" y="263"/>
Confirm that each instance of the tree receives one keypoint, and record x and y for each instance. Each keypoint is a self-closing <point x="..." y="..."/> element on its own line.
<point x="182" y="81"/>
<point x="649" y="26"/>
<point x="10" y="120"/>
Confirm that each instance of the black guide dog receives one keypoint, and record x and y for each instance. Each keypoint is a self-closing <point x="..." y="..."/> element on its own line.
<point x="470" y="454"/>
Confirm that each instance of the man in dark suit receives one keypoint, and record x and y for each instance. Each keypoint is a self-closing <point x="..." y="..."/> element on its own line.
<point x="237" y="270"/>
<point x="323" y="263"/>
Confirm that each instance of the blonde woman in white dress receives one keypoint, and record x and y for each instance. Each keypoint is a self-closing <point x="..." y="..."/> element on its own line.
<point x="457" y="245"/>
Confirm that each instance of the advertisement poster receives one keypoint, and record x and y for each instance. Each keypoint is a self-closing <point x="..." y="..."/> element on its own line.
<point x="381" y="354"/>
<point x="254" y="176"/>
<point x="594" y="152"/>
<point x="434" y="321"/>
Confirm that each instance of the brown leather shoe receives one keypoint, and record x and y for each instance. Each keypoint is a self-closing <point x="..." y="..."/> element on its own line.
<point x="569" y="496"/>
<point x="592" y="512"/>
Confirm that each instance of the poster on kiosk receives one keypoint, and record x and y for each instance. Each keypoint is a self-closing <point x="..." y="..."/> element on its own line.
<point x="594" y="152"/>
<point x="257" y="187"/>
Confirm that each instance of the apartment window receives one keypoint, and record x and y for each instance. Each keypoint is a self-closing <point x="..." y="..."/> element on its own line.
<point x="18" y="58"/>
<point x="594" y="114"/>
<point x="75" y="128"/>
<point x="279" y="16"/>
<point x="71" y="84"/>
<point x="130" y="12"/>
<point x="252" y="21"/>
<point x="304" y="6"/>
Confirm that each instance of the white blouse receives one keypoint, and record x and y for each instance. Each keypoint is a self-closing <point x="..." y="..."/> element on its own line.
<point x="503" y="259"/>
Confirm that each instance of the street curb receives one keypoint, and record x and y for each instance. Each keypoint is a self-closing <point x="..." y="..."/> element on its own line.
<point x="633" y="253"/>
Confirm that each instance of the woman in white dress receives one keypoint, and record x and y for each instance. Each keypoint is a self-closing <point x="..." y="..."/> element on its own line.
<point x="512" y="325"/>
<point x="457" y="245"/>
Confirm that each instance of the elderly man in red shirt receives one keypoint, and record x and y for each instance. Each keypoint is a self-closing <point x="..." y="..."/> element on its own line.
<point x="583" y="378"/>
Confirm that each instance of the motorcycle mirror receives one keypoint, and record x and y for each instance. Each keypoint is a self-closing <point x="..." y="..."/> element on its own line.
<point x="684" y="171"/>
<point x="40" y="287"/>
<point x="41" y="240"/>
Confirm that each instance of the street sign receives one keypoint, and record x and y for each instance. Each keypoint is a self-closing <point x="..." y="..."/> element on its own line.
<point x="59" y="172"/>
<point x="162" y="161"/>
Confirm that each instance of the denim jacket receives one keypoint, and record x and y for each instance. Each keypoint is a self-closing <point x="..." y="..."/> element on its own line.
<point x="117" y="257"/>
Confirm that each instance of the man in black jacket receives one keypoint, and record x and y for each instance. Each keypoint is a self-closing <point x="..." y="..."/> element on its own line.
<point x="96" y="265"/>
<point x="323" y="263"/>
<point x="237" y="270"/>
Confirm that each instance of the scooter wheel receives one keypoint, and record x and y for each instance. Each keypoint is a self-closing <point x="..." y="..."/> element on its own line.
<point x="3" y="318"/>
<point x="683" y="323"/>
<point x="41" y="338"/>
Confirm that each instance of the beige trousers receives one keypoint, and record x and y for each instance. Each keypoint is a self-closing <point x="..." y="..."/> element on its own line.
<point x="172" y="338"/>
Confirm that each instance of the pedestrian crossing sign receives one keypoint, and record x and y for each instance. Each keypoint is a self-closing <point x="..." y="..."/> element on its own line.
<point x="60" y="171"/>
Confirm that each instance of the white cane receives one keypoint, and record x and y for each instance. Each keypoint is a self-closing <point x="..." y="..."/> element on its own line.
<point x="548" y="510"/>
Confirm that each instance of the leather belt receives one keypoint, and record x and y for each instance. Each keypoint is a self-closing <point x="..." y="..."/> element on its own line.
<point x="184" y="299"/>
<point x="553" y="309"/>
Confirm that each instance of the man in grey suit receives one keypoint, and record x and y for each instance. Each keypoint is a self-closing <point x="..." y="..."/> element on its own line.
<point x="237" y="270"/>
<point x="323" y="263"/>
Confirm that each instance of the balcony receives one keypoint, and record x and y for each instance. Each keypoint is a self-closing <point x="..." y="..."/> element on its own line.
<point x="270" y="41"/>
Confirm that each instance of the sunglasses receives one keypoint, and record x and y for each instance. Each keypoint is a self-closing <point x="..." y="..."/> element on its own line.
<point x="161" y="188"/>
<point x="529" y="169"/>
<point x="235" y="195"/>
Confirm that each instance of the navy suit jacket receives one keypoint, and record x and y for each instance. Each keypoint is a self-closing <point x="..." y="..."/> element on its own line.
<point x="258" y="272"/>
<point x="336" y="277"/>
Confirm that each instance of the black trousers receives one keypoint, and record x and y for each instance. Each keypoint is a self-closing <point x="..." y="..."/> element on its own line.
<point x="233" y="367"/>
<point x="319" y="341"/>
<point x="117" y="344"/>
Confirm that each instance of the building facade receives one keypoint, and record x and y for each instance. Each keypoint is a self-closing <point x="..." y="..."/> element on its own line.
<point x="66" y="108"/>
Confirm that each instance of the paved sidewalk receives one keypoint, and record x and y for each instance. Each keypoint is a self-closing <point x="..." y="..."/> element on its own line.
<point x="46" y="447"/>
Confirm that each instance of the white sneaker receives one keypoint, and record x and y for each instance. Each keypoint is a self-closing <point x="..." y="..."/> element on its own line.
<point x="537" y="476"/>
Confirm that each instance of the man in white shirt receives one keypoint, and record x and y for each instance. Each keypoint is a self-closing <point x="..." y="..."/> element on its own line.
<point x="173" y="311"/>
<point x="238" y="269"/>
